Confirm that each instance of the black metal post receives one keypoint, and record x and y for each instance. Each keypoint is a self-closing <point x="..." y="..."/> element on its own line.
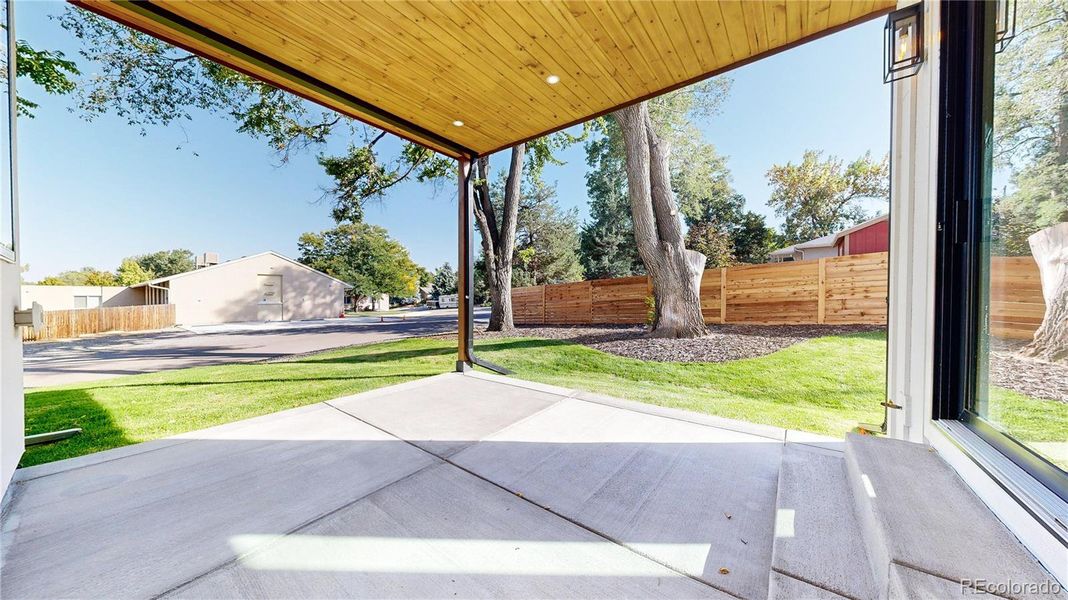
<point x="465" y="279"/>
<point x="465" y="322"/>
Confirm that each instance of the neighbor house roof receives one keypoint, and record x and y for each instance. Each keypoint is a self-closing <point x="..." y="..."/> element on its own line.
<point x="787" y="251"/>
<point x="415" y="68"/>
<point x="859" y="226"/>
<point x="828" y="240"/>
<point x="221" y="265"/>
<point x="821" y="242"/>
<point x="825" y="241"/>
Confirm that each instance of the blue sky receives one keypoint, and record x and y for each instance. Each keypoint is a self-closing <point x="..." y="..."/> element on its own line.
<point x="94" y="192"/>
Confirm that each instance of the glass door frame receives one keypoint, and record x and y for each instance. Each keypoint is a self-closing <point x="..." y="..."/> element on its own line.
<point x="964" y="188"/>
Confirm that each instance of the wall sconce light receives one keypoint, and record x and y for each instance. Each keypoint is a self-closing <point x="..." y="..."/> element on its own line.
<point x="903" y="43"/>
<point x="1004" y="24"/>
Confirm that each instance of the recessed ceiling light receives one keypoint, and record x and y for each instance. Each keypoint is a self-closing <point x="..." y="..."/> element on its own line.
<point x="458" y="123"/>
<point x="552" y="79"/>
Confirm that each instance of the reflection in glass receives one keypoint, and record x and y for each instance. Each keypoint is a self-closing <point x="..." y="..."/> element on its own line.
<point x="7" y="220"/>
<point x="1021" y="386"/>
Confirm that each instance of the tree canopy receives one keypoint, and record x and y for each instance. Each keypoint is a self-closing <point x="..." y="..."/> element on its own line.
<point x="444" y="282"/>
<point x="364" y="256"/>
<point x="1031" y="126"/>
<point x="547" y="239"/>
<point x="51" y="70"/>
<point x="607" y="247"/>
<point x="85" y="276"/>
<point x="130" y="272"/>
<point x="165" y="263"/>
<point x="607" y="244"/>
<point x="820" y="196"/>
<point x="720" y="227"/>
<point x="149" y="82"/>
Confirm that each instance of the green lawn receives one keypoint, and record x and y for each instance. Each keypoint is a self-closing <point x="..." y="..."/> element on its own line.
<point x="825" y="385"/>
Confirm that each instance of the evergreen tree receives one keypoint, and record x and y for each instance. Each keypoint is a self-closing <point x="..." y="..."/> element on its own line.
<point x="607" y="247"/>
<point x="547" y="239"/>
<point x="444" y="281"/>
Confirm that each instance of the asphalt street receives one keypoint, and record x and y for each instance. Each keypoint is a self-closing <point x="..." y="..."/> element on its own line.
<point x="87" y="359"/>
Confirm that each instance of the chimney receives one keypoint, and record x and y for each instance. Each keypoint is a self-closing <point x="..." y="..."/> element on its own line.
<point x="207" y="259"/>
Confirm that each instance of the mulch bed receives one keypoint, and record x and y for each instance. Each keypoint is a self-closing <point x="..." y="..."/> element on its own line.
<point x="1027" y="376"/>
<point x="733" y="342"/>
<point x="723" y="343"/>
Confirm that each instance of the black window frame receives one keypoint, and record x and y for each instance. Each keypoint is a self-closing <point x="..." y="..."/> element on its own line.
<point x="10" y="253"/>
<point x="964" y="171"/>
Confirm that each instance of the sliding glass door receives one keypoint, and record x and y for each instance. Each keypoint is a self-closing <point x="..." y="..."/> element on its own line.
<point x="1003" y="334"/>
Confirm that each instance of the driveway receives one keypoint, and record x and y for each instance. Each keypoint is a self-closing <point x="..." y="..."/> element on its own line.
<point x="88" y="359"/>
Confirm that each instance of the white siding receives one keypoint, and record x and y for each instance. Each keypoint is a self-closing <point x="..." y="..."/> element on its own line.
<point x="11" y="401"/>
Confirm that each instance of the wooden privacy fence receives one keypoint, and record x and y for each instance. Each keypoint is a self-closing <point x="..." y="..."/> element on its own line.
<point x="61" y="324"/>
<point x="838" y="290"/>
<point x="1016" y="305"/>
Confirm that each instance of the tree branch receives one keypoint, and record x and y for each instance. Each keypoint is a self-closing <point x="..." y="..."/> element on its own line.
<point x="482" y="197"/>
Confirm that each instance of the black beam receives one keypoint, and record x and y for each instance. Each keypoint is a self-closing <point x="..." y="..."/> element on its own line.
<point x="465" y="270"/>
<point x="465" y="280"/>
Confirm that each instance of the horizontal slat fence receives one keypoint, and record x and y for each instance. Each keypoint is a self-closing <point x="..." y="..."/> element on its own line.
<point x="855" y="288"/>
<point x="62" y="324"/>
<point x="838" y="290"/>
<point x="568" y="304"/>
<point x="1016" y="306"/>
<point x="777" y="293"/>
<point x="620" y="301"/>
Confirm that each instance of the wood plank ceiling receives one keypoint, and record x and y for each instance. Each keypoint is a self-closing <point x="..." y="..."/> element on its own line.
<point x="415" y="67"/>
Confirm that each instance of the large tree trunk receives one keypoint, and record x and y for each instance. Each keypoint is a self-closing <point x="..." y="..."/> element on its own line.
<point x="675" y="272"/>
<point x="1050" y="249"/>
<point x="499" y="282"/>
<point x="498" y="240"/>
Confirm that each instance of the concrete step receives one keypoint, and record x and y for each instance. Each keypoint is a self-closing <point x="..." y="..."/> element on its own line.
<point x="925" y="531"/>
<point x="817" y="550"/>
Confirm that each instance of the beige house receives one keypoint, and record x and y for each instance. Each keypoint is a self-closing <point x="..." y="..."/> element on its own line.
<point x="67" y="297"/>
<point x="261" y="287"/>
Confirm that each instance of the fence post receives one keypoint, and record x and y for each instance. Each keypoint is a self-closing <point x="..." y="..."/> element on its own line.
<point x="821" y="293"/>
<point x="542" y="322"/>
<point x="723" y="295"/>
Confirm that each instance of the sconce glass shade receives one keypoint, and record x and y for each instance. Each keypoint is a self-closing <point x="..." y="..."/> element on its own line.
<point x="903" y="43"/>
<point x="1004" y="24"/>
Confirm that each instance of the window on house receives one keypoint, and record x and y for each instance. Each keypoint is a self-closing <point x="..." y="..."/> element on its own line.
<point x="1003" y="295"/>
<point x="86" y="301"/>
<point x="1022" y="333"/>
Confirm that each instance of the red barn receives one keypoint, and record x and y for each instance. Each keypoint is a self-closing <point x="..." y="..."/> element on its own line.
<point x="870" y="236"/>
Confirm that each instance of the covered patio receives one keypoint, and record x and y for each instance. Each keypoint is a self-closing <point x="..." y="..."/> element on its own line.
<point x="460" y="485"/>
<point x="475" y="485"/>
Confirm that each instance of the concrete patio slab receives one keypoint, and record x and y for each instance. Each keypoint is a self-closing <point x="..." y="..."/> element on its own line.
<point x="448" y="415"/>
<point x="441" y="533"/>
<point x="697" y="498"/>
<point x="910" y="584"/>
<point x="141" y="524"/>
<point x="816" y="528"/>
<point x="940" y="527"/>
<point x="784" y="587"/>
